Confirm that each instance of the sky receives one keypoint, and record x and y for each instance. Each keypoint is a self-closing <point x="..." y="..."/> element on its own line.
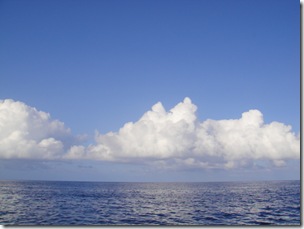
<point x="150" y="90"/>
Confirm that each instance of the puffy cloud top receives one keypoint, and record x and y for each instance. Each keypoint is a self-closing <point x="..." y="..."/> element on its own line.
<point x="159" y="136"/>
<point x="178" y="135"/>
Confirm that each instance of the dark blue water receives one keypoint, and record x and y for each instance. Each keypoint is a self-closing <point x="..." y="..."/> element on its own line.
<point x="98" y="203"/>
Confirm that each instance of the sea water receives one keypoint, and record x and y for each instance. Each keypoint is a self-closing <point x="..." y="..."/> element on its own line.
<point x="104" y="203"/>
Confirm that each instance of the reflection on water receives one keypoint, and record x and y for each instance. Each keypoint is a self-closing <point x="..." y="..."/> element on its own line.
<point x="98" y="203"/>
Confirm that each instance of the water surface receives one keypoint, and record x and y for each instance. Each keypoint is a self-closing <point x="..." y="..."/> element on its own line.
<point x="104" y="203"/>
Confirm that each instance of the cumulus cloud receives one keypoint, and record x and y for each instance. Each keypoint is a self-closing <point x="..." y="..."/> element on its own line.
<point x="178" y="137"/>
<point x="161" y="138"/>
<point x="238" y="141"/>
<point x="26" y="132"/>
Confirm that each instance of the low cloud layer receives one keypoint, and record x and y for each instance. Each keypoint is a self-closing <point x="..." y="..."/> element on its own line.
<point x="174" y="137"/>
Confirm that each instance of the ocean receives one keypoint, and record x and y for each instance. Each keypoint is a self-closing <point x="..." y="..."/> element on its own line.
<point x="106" y="203"/>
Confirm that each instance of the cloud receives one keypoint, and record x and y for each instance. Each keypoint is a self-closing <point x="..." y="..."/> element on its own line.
<point x="26" y="132"/>
<point x="239" y="141"/>
<point x="174" y="138"/>
<point x="177" y="137"/>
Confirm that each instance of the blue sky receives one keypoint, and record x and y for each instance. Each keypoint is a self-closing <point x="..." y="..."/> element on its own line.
<point x="96" y="65"/>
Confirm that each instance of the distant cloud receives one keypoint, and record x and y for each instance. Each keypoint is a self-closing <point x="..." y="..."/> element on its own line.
<point x="26" y="132"/>
<point x="178" y="136"/>
<point x="159" y="137"/>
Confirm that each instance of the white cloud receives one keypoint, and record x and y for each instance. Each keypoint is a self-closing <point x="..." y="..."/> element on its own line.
<point x="162" y="136"/>
<point x="248" y="138"/>
<point x="26" y="132"/>
<point x="174" y="138"/>
<point x="157" y="135"/>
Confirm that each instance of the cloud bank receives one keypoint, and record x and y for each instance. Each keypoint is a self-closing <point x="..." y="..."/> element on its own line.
<point x="174" y="137"/>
